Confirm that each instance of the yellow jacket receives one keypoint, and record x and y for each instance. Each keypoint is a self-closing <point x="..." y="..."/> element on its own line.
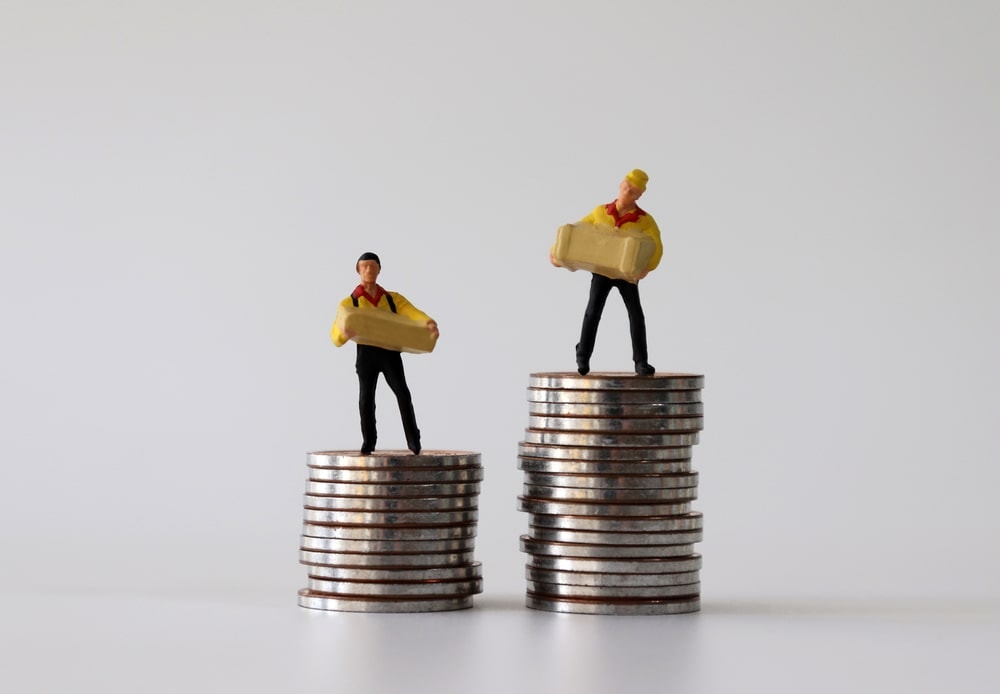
<point x="639" y="220"/>
<point x="380" y="302"/>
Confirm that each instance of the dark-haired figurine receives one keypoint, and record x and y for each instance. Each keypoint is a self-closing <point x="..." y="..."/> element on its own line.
<point x="620" y="214"/>
<point x="372" y="359"/>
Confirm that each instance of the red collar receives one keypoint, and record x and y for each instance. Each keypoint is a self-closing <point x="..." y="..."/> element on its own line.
<point x="359" y="292"/>
<point x="632" y="216"/>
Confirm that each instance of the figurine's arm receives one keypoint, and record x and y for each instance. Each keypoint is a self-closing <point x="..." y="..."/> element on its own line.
<point x="405" y="308"/>
<point x="340" y="338"/>
<point x="598" y="215"/>
<point x="648" y="227"/>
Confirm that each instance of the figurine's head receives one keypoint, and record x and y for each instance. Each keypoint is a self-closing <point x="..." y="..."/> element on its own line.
<point x="368" y="267"/>
<point x="632" y="187"/>
<point x="638" y="178"/>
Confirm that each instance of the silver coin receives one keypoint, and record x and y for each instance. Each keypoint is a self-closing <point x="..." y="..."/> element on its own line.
<point x="613" y="593"/>
<point x="393" y="459"/>
<point x="632" y="425"/>
<point x="600" y="538"/>
<point x="591" y="454"/>
<point x="603" y="467"/>
<point x="609" y="439"/>
<point x="616" y="381"/>
<point x="441" y="573"/>
<point x="401" y="503"/>
<point x="675" y="481"/>
<point x="630" y="608"/>
<point x="354" y="589"/>
<point x="314" y="601"/>
<point x="614" y="496"/>
<point x="397" y="476"/>
<point x="691" y="562"/>
<point x="612" y="397"/>
<point x="530" y="545"/>
<point x="627" y="410"/>
<point x="391" y="517"/>
<point x="611" y="580"/>
<point x="396" y="533"/>
<point x="611" y="524"/>
<point x="394" y="490"/>
<point x="563" y="508"/>
<point x="402" y="561"/>
<point x="327" y="544"/>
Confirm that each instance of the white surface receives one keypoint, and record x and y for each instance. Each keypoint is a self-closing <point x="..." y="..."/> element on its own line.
<point x="186" y="187"/>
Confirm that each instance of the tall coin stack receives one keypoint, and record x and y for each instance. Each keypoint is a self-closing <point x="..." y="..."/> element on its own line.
<point x="391" y="532"/>
<point x="608" y="488"/>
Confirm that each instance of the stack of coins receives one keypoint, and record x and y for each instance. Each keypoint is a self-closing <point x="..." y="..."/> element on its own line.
<point x="608" y="487"/>
<point x="391" y="532"/>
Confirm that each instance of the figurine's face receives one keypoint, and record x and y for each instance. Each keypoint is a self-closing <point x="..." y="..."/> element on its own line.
<point x="628" y="193"/>
<point x="368" y="270"/>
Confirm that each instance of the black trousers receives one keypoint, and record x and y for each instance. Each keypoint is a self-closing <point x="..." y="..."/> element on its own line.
<point x="370" y="363"/>
<point x="600" y="287"/>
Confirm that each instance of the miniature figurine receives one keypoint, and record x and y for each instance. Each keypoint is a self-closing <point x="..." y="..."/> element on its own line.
<point x="620" y="215"/>
<point x="373" y="359"/>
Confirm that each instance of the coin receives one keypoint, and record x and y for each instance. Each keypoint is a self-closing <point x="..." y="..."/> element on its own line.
<point x="616" y="381"/>
<point x="441" y="573"/>
<point x="401" y="503"/>
<point x="613" y="397"/>
<point x="352" y="589"/>
<point x="687" y="479"/>
<point x="621" y="496"/>
<point x="610" y="580"/>
<point x="561" y="508"/>
<point x="613" y="538"/>
<point x="393" y="459"/>
<point x="596" y="467"/>
<point x="566" y="549"/>
<point x="326" y="544"/>
<point x="639" y="409"/>
<point x="640" y="592"/>
<point x="608" y="439"/>
<point x="394" y="490"/>
<point x="691" y="562"/>
<point x="391" y="517"/>
<point x="617" y="454"/>
<point x="408" y="561"/>
<point x="404" y="532"/>
<point x="605" y="607"/>
<point x="643" y="524"/>
<point x="316" y="601"/>
<point x="631" y="425"/>
<point x="401" y="476"/>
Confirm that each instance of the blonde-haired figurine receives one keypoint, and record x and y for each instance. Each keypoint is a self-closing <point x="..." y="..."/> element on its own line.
<point x="620" y="214"/>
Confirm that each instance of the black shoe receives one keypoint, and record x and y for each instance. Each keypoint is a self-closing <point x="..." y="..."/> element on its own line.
<point x="644" y="369"/>
<point x="415" y="447"/>
<point x="367" y="448"/>
<point x="583" y="365"/>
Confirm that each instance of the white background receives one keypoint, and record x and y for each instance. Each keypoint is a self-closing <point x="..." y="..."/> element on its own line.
<point x="184" y="189"/>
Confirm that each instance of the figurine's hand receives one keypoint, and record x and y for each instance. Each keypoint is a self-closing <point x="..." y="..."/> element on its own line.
<point x="642" y="275"/>
<point x="433" y="327"/>
<point x="349" y="334"/>
<point x="552" y="259"/>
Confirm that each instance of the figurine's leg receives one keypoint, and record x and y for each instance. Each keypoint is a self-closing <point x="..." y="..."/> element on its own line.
<point x="396" y="379"/>
<point x="368" y="369"/>
<point x="637" y="327"/>
<point x="599" y="288"/>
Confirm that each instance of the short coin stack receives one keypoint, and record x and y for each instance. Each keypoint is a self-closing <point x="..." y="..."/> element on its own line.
<point x="608" y="488"/>
<point x="391" y="532"/>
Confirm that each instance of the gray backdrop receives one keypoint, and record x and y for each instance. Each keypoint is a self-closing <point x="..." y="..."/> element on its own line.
<point x="186" y="187"/>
